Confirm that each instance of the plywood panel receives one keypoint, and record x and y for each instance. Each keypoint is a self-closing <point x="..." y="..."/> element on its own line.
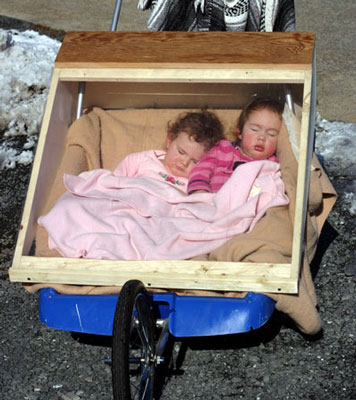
<point x="181" y="95"/>
<point x="50" y="148"/>
<point x="277" y="50"/>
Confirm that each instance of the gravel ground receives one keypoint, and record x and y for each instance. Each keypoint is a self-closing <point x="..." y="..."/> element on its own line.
<point x="277" y="362"/>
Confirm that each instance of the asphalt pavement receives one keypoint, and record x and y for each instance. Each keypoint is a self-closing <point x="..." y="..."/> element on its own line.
<point x="333" y="23"/>
<point x="39" y="363"/>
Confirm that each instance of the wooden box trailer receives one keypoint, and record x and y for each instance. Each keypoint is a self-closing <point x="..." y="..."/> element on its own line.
<point x="169" y="70"/>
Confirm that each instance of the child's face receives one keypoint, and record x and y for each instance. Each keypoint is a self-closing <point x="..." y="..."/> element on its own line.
<point x="258" y="138"/>
<point x="183" y="153"/>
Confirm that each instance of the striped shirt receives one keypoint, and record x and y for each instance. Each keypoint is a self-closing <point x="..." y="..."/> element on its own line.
<point x="216" y="167"/>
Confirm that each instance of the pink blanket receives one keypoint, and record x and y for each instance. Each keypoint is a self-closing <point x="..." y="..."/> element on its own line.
<point x="104" y="216"/>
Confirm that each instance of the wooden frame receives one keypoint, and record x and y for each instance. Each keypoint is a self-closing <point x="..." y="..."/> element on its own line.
<point x="168" y="68"/>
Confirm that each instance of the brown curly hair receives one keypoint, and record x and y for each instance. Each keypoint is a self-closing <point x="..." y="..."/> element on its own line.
<point x="203" y="126"/>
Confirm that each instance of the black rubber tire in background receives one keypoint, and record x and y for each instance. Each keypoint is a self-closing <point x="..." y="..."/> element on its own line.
<point x="133" y="344"/>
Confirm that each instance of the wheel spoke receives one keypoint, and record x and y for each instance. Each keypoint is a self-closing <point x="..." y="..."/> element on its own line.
<point x="141" y="388"/>
<point x="133" y="344"/>
<point x="146" y="382"/>
<point x="135" y="394"/>
<point x="136" y="344"/>
<point x="142" y="325"/>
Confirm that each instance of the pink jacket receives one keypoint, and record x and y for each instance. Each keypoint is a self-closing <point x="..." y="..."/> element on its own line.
<point x="216" y="167"/>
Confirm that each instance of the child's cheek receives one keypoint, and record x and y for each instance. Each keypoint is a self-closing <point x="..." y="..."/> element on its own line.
<point x="248" y="142"/>
<point x="271" y="147"/>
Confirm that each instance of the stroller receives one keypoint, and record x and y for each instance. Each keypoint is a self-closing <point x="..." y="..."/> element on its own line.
<point x="129" y="93"/>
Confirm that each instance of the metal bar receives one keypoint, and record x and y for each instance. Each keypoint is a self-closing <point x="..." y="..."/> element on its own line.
<point x="81" y="89"/>
<point x="163" y="337"/>
<point x="116" y="14"/>
<point x="289" y="97"/>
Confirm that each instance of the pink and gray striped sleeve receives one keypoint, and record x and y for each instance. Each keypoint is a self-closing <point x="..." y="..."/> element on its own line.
<point x="214" y="169"/>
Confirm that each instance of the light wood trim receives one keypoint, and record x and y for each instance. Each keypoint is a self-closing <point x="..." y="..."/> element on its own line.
<point x="259" y="50"/>
<point x="181" y="274"/>
<point x="302" y="180"/>
<point x="207" y="75"/>
<point x="23" y="232"/>
<point x="51" y="145"/>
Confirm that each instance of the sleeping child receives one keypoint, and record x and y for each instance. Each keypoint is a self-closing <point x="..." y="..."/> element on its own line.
<point x="137" y="213"/>
<point x="257" y="133"/>
<point x="188" y="139"/>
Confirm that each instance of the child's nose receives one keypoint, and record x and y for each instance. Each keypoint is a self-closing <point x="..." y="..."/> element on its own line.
<point x="185" y="161"/>
<point x="262" y="136"/>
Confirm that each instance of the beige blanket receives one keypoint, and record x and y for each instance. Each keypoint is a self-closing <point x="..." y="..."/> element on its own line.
<point x="100" y="139"/>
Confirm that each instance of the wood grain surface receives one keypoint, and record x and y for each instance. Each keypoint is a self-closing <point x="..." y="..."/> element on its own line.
<point x="186" y="50"/>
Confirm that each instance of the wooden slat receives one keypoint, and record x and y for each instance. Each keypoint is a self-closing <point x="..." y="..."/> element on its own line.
<point x="208" y="75"/>
<point x="170" y="274"/>
<point x="49" y="151"/>
<point x="186" y="50"/>
<point x="305" y="153"/>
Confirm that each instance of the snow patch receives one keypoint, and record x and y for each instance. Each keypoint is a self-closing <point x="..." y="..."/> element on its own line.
<point x="26" y="63"/>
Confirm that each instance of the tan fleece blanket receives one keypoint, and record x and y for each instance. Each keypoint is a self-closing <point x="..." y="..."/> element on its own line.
<point x="100" y="139"/>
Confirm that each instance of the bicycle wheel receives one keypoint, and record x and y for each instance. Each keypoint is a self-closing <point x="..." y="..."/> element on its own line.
<point x="133" y="347"/>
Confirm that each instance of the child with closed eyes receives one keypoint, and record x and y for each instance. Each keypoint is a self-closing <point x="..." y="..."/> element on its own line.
<point x="257" y="133"/>
<point x="189" y="138"/>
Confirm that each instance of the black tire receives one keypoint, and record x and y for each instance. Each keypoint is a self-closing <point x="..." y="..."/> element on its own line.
<point x="133" y="344"/>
